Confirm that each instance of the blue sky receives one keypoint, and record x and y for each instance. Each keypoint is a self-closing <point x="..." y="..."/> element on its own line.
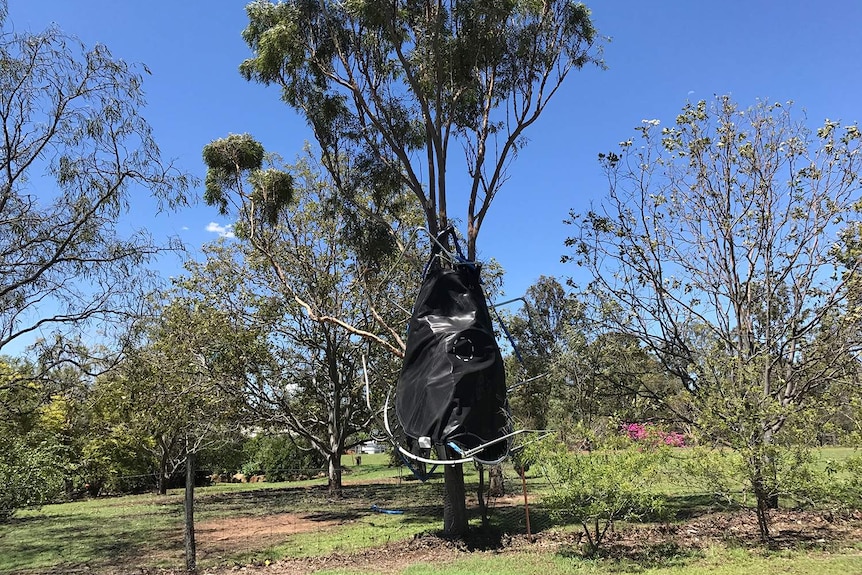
<point x="661" y="55"/>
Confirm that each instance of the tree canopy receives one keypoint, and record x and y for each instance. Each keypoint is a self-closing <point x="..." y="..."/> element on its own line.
<point x="387" y="87"/>
<point x="74" y="147"/>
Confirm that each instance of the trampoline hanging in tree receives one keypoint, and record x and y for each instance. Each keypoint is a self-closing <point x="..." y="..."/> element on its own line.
<point x="451" y="394"/>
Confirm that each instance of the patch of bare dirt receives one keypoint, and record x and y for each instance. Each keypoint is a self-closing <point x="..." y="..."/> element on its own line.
<point x="218" y="537"/>
<point x="391" y="558"/>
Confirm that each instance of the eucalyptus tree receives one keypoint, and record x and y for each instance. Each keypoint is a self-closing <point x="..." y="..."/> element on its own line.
<point x="391" y="85"/>
<point x="541" y="331"/>
<point x="389" y="88"/>
<point x="75" y="148"/>
<point x="718" y="247"/>
<point x="326" y="293"/>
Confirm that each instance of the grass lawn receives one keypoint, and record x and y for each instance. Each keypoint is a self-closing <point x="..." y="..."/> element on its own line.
<point x="714" y="561"/>
<point x="297" y="521"/>
<point x="147" y="529"/>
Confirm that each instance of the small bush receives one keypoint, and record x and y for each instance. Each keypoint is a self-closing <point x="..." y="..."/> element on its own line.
<point x="600" y="487"/>
<point x="801" y="478"/>
<point x="853" y="487"/>
<point x="279" y="458"/>
<point x="30" y="474"/>
<point x="719" y="472"/>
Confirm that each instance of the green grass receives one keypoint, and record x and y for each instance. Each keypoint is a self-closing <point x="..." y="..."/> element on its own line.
<point x="712" y="561"/>
<point x="85" y="532"/>
<point x="146" y="530"/>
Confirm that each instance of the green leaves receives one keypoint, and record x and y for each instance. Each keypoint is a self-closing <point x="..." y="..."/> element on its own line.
<point x="227" y="160"/>
<point x="273" y="192"/>
<point x="31" y="473"/>
<point x="598" y="487"/>
<point x="238" y="159"/>
<point x="397" y="81"/>
<point x="76" y="114"/>
<point x="718" y="242"/>
<point x="235" y="154"/>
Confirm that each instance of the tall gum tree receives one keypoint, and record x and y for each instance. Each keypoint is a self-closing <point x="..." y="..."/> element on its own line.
<point x="390" y="85"/>
<point x="719" y="247"/>
<point x="537" y="329"/>
<point x="387" y="87"/>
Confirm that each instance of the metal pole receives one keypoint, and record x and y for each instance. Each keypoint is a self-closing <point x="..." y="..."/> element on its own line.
<point x="191" y="556"/>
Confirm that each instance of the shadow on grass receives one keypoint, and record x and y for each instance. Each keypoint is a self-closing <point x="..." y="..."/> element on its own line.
<point x="648" y="557"/>
<point x="76" y="544"/>
<point x="152" y="533"/>
<point x="413" y="500"/>
<point x="319" y="495"/>
<point x="689" y="506"/>
<point x="330" y="516"/>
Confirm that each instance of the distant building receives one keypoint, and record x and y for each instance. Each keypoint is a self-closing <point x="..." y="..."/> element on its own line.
<point x="370" y="447"/>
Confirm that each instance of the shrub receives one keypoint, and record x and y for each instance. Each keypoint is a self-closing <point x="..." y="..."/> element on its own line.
<point x="602" y="486"/>
<point x="850" y="488"/>
<point x="719" y="472"/>
<point x="30" y="474"/>
<point x="279" y="458"/>
<point x="801" y="478"/>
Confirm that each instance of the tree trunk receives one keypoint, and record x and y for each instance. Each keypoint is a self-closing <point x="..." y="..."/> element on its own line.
<point x="191" y="559"/>
<point x="454" y="502"/>
<point x="163" y="466"/>
<point x="768" y="464"/>
<point x="762" y="493"/>
<point x="480" y="495"/>
<point x="496" y="488"/>
<point x="762" y="499"/>
<point x="334" y="474"/>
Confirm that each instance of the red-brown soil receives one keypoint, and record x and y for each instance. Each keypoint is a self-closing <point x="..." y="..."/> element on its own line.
<point x="226" y="536"/>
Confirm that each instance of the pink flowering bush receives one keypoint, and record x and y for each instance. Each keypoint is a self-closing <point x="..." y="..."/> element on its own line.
<point x="674" y="439"/>
<point x="652" y="433"/>
<point x="636" y="431"/>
